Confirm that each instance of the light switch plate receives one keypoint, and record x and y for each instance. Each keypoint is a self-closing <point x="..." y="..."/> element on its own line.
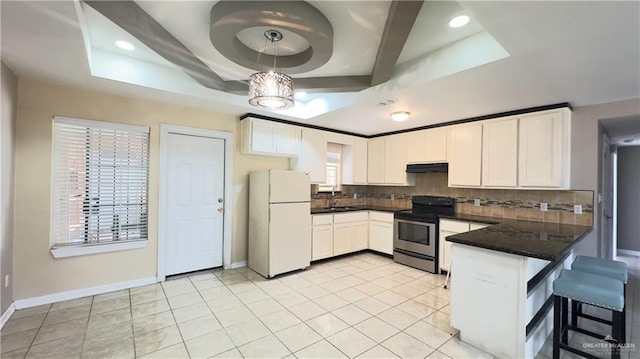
<point x="544" y="207"/>
<point x="476" y="202"/>
<point x="577" y="208"/>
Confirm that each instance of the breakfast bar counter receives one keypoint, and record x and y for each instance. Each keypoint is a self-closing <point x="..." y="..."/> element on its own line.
<point x="502" y="282"/>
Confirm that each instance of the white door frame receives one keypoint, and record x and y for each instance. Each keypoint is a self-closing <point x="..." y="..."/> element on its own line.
<point x="165" y="130"/>
<point x="606" y="217"/>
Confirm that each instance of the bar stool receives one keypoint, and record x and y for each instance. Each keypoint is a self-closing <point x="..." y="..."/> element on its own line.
<point x="590" y="289"/>
<point x="606" y="268"/>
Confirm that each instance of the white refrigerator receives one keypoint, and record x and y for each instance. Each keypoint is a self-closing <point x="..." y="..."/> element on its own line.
<point x="279" y="221"/>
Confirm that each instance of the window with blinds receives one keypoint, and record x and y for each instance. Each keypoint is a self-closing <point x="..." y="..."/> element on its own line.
<point x="100" y="182"/>
<point x="334" y="168"/>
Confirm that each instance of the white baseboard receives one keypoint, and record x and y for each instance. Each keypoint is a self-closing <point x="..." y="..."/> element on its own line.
<point x="7" y="314"/>
<point x="240" y="264"/>
<point x="79" y="293"/>
<point x="629" y="252"/>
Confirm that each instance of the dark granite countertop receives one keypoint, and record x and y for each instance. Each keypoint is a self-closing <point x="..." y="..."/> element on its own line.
<point x="354" y="208"/>
<point x="549" y="241"/>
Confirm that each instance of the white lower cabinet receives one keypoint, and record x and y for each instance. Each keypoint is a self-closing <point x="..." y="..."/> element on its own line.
<point x="322" y="236"/>
<point x="448" y="228"/>
<point x="381" y="232"/>
<point x="342" y="233"/>
<point x="350" y="232"/>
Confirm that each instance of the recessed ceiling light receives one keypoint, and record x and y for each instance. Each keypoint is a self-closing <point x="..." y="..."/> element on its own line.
<point x="125" y="45"/>
<point x="300" y="95"/>
<point x="459" y="21"/>
<point x="400" y="116"/>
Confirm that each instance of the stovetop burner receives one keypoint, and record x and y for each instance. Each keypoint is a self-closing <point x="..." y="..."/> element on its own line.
<point x="427" y="208"/>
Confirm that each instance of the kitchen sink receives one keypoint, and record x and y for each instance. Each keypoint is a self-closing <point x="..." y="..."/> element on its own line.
<point x="342" y="208"/>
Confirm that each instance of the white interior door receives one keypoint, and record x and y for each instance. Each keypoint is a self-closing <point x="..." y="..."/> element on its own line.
<point x="195" y="198"/>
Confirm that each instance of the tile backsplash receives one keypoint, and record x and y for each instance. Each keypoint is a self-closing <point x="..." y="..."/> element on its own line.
<point x="501" y="203"/>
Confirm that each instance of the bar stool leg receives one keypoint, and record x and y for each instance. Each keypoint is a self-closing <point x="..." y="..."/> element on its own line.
<point x="624" y="316"/>
<point x="565" y="319"/>
<point x="617" y="330"/>
<point x="575" y="307"/>
<point x="557" y="326"/>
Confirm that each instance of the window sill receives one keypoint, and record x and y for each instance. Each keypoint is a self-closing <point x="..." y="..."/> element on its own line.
<point x="83" y="250"/>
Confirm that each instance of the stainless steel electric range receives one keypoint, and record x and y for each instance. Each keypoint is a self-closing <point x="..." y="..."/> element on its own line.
<point x="415" y="232"/>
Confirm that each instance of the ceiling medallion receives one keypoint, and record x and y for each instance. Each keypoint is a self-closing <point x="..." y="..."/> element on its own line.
<point x="271" y="89"/>
<point x="296" y="19"/>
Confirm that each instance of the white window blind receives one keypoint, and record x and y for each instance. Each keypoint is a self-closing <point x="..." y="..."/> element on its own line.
<point x="334" y="169"/>
<point x="100" y="182"/>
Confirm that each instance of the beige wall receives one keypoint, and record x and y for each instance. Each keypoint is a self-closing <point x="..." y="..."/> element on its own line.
<point x="7" y="143"/>
<point x="586" y="139"/>
<point x="37" y="273"/>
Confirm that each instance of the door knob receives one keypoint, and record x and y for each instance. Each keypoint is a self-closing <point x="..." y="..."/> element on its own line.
<point x="220" y="200"/>
<point x="220" y="209"/>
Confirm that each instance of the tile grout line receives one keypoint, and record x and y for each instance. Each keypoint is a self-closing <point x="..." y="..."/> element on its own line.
<point x="133" y="334"/>
<point x="38" y="331"/>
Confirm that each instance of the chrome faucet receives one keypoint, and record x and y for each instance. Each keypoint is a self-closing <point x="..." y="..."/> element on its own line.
<point x="333" y="201"/>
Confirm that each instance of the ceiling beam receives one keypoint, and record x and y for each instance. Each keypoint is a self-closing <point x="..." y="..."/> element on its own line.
<point x="133" y="19"/>
<point x="400" y="20"/>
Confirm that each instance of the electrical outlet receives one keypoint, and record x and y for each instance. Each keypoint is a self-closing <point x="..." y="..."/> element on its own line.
<point x="577" y="208"/>
<point x="6" y="281"/>
<point x="355" y="196"/>
<point x="393" y="196"/>
<point x="543" y="207"/>
<point x="476" y="202"/>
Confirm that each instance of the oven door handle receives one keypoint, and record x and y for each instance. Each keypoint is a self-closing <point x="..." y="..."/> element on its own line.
<point x="414" y="254"/>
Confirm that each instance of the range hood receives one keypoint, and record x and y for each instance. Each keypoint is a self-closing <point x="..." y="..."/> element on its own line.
<point x="428" y="168"/>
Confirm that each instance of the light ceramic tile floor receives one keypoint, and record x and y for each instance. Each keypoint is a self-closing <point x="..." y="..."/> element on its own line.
<point x="363" y="306"/>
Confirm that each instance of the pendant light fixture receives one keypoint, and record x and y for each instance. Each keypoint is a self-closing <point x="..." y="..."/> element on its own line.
<point x="272" y="89"/>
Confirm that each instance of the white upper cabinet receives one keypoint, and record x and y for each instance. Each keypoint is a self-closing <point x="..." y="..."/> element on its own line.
<point x="465" y="155"/>
<point x="387" y="161"/>
<point x="376" y="156"/>
<point x="288" y="139"/>
<point x="436" y="145"/>
<point x="354" y="166"/>
<point x="500" y="153"/>
<point x="528" y="151"/>
<point x="262" y="137"/>
<point x="416" y="147"/>
<point x="313" y="155"/>
<point x="395" y="163"/>
<point x="545" y="145"/>
<point x="427" y="146"/>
